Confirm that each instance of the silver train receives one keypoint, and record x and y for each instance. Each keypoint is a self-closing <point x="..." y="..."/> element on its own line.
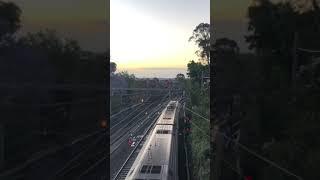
<point x="157" y="160"/>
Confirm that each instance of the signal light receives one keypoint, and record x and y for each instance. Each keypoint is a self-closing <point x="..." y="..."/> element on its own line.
<point x="104" y="124"/>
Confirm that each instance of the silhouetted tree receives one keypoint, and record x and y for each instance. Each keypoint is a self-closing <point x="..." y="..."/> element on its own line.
<point x="225" y="45"/>
<point x="129" y="78"/>
<point x="273" y="25"/>
<point x="201" y="36"/>
<point x="288" y="118"/>
<point x="180" y="76"/>
<point x="196" y="71"/>
<point x="10" y="15"/>
<point x="113" y="67"/>
<point x="62" y="53"/>
<point x="9" y="18"/>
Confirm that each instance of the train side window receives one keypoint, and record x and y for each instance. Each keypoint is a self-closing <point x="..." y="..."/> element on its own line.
<point x="160" y="131"/>
<point x="145" y="169"/>
<point x="156" y="170"/>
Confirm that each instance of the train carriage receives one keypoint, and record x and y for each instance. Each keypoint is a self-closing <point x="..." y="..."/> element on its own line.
<point x="157" y="160"/>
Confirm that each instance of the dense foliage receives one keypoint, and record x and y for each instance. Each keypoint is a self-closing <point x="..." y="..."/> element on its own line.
<point x="199" y="102"/>
<point x="288" y="116"/>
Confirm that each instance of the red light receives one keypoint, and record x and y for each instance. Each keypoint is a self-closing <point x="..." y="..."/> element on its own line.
<point x="103" y="123"/>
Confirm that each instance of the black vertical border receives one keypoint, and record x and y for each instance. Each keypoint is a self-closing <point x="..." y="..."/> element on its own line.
<point x="107" y="87"/>
<point x="212" y="92"/>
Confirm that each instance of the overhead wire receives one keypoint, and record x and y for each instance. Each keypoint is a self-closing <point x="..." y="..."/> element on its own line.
<point x="254" y="153"/>
<point x="198" y="114"/>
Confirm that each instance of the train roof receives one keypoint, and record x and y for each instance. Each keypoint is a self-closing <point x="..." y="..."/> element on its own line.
<point x="154" y="158"/>
<point x="172" y="103"/>
<point x="167" y="117"/>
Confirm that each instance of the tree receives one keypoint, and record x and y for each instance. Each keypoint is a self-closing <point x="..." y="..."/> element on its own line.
<point x="9" y="18"/>
<point x="63" y="53"/>
<point x="289" y="118"/>
<point x="129" y="78"/>
<point x="273" y="25"/>
<point x="10" y="21"/>
<point x="201" y="36"/>
<point x="180" y="77"/>
<point x="196" y="71"/>
<point x="226" y="45"/>
<point x="267" y="25"/>
<point x="113" y="67"/>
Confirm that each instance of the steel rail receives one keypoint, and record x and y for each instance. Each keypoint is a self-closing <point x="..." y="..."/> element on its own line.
<point x="136" y="147"/>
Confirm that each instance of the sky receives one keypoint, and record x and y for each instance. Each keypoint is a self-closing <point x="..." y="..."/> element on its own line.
<point x="230" y="20"/>
<point x="144" y="34"/>
<point x="82" y="20"/>
<point x="148" y="34"/>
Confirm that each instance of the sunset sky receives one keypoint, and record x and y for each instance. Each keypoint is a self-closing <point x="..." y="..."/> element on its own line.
<point x="154" y="34"/>
<point x="83" y="20"/>
<point x="144" y="33"/>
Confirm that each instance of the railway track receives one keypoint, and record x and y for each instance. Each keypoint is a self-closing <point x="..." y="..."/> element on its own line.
<point x="85" y="157"/>
<point x="42" y="166"/>
<point x="121" y="152"/>
<point x="123" y="171"/>
<point x="121" y="131"/>
<point x="120" y="136"/>
<point x="90" y="172"/>
<point x="125" y="112"/>
<point x="91" y="163"/>
<point x="120" y="117"/>
<point x="114" y="117"/>
<point x="80" y="162"/>
<point x="128" y="118"/>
